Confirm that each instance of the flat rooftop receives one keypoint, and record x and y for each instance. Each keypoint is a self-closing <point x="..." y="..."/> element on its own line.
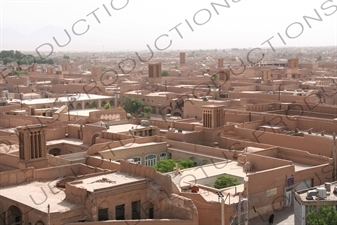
<point x="38" y="195"/>
<point x="77" y="97"/>
<point x="330" y="195"/>
<point x="71" y="141"/>
<point x="209" y="170"/>
<point x="106" y="181"/>
<point x="125" y="128"/>
<point x="107" y="153"/>
<point x="84" y="112"/>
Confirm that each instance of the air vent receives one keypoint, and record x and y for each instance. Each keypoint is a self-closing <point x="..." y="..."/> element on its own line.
<point x="321" y="193"/>
<point x="310" y="194"/>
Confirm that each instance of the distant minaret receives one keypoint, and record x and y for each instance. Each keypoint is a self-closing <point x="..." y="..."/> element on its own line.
<point x="334" y="156"/>
<point x="182" y="57"/>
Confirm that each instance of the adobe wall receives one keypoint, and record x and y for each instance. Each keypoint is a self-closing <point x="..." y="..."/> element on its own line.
<point x="14" y="121"/>
<point x="133" y="151"/>
<point x="55" y="134"/>
<point x="102" y="163"/>
<point x="245" y="88"/>
<point x="74" y="131"/>
<point x="8" y="108"/>
<point x="56" y="161"/>
<point x="140" y="222"/>
<point x="275" y="97"/>
<point x="57" y="172"/>
<point x="238" y="144"/>
<point x="320" y="174"/>
<point x="239" y="118"/>
<point x="179" y="207"/>
<point x="193" y="109"/>
<point x="117" y="111"/>
<point x="89" y="131"/>
<point x="194" y="138"/>
<point x="10" y="160"/>
<point x="311" y="143"/>
<point x="300" y="156"/>
<point x="74" y="194"/>
<point x="6" y="139"/>
<point x="261" y="181"/>
<point x="200" y="149"/>
<point x="262" y="163"/>
<point x="209" y="212"/>
<point x="199" y="159"/>
<point x="15" y="177"/>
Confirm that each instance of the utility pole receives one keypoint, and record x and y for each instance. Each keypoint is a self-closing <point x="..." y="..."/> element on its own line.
<point x="48" y="214"/>
<point x="222" y="211"/>
<point x="239" y="210"/>
<point x="247" y="191"/>
<point x="334" y="155"/>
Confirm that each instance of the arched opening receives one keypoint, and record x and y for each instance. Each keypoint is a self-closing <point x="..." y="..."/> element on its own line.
<point x="168" y="111"/>
<point x="112" y="103"/>
<point x="177" y="114"/>
<point x="79" y="106"/>
<point x="151" y="160"/>
<point x="14" y="215"/>
<point x="103" y="103"/>
<point x="87" y="105"/>
<point x="93" y="138"/>
<point x="39" y="223"/>
<point x="55" y="151"/>
<point x="137" y="160"/>
<point x="165" y="155"/>
<point x="103" y="211"/>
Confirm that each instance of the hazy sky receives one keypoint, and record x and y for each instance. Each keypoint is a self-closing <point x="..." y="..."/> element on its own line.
<point x="27" y="24"/>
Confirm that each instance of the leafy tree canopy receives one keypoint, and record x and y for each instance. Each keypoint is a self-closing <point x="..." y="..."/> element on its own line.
<point x="165" y="73"/>
<point x="20" y="58"/>
<point x="168" y="165"/>
<point x="225" y="181"/>
<point x="131" y="105"/>
<point x="327" y="215"/>
<point x="107" y="106"/>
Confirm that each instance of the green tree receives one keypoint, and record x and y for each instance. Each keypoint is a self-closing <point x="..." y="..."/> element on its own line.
<point x="107" y="106"/>
<point x="147" y="111"/>
<point x="8" y="60"/>
<point x="214" y="76"/>
<point x="94" y="105"/>
<point x="131" y="105"/>
<point x="168" y="165"/>
<point x="66" y="57"/>
<point x="319" y="58"/>
<point x="327" y="215"/>
<point x="225" y="181"/>
<point x="165" y="73"/>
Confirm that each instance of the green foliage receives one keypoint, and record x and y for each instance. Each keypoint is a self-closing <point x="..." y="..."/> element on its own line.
<point x="225" y="181"/>
<point x="94" y="105"/>
<point x="20" y="72"/>
<point x="147" y="111"/>
<point x="17" y="56"/>
<point x="168" y="165"/>
<point x="66" y="57"/>
<point x="131" y="105"/>
<point x="165" y="73"/>
<point x="327" y="215"/>
<point x="215" y="76"/>
<point x="107" y="106"/>
<point x="319" y="58"/>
